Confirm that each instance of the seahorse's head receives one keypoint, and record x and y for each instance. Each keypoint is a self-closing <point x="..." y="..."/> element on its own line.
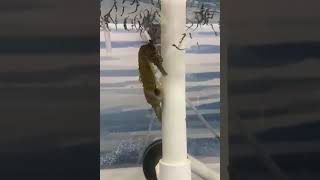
<point x="153" y="53"/>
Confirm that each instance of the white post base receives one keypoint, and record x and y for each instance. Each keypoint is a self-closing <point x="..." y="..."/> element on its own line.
<point x="175" y="171"/>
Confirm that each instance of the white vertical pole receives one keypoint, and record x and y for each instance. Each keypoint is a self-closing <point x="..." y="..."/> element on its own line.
<point x="107" y="41"/>
<point x="105" y="7"/>
<point x="174" y="164"/>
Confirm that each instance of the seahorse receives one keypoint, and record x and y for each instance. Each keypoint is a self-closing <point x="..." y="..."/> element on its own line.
<point x="147" y="57"/>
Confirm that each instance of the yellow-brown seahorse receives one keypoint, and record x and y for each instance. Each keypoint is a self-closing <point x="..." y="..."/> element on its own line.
<point x="147" y="56"/>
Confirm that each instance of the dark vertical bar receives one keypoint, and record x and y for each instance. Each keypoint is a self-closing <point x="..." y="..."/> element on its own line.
<point x="272" y="103"/>
<point x="49" y="89"/>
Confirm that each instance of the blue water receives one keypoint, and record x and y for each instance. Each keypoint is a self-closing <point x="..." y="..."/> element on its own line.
<point x="123" y="44"/>
<point x="192" y="77"/>
<point x="204" y="49"/>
